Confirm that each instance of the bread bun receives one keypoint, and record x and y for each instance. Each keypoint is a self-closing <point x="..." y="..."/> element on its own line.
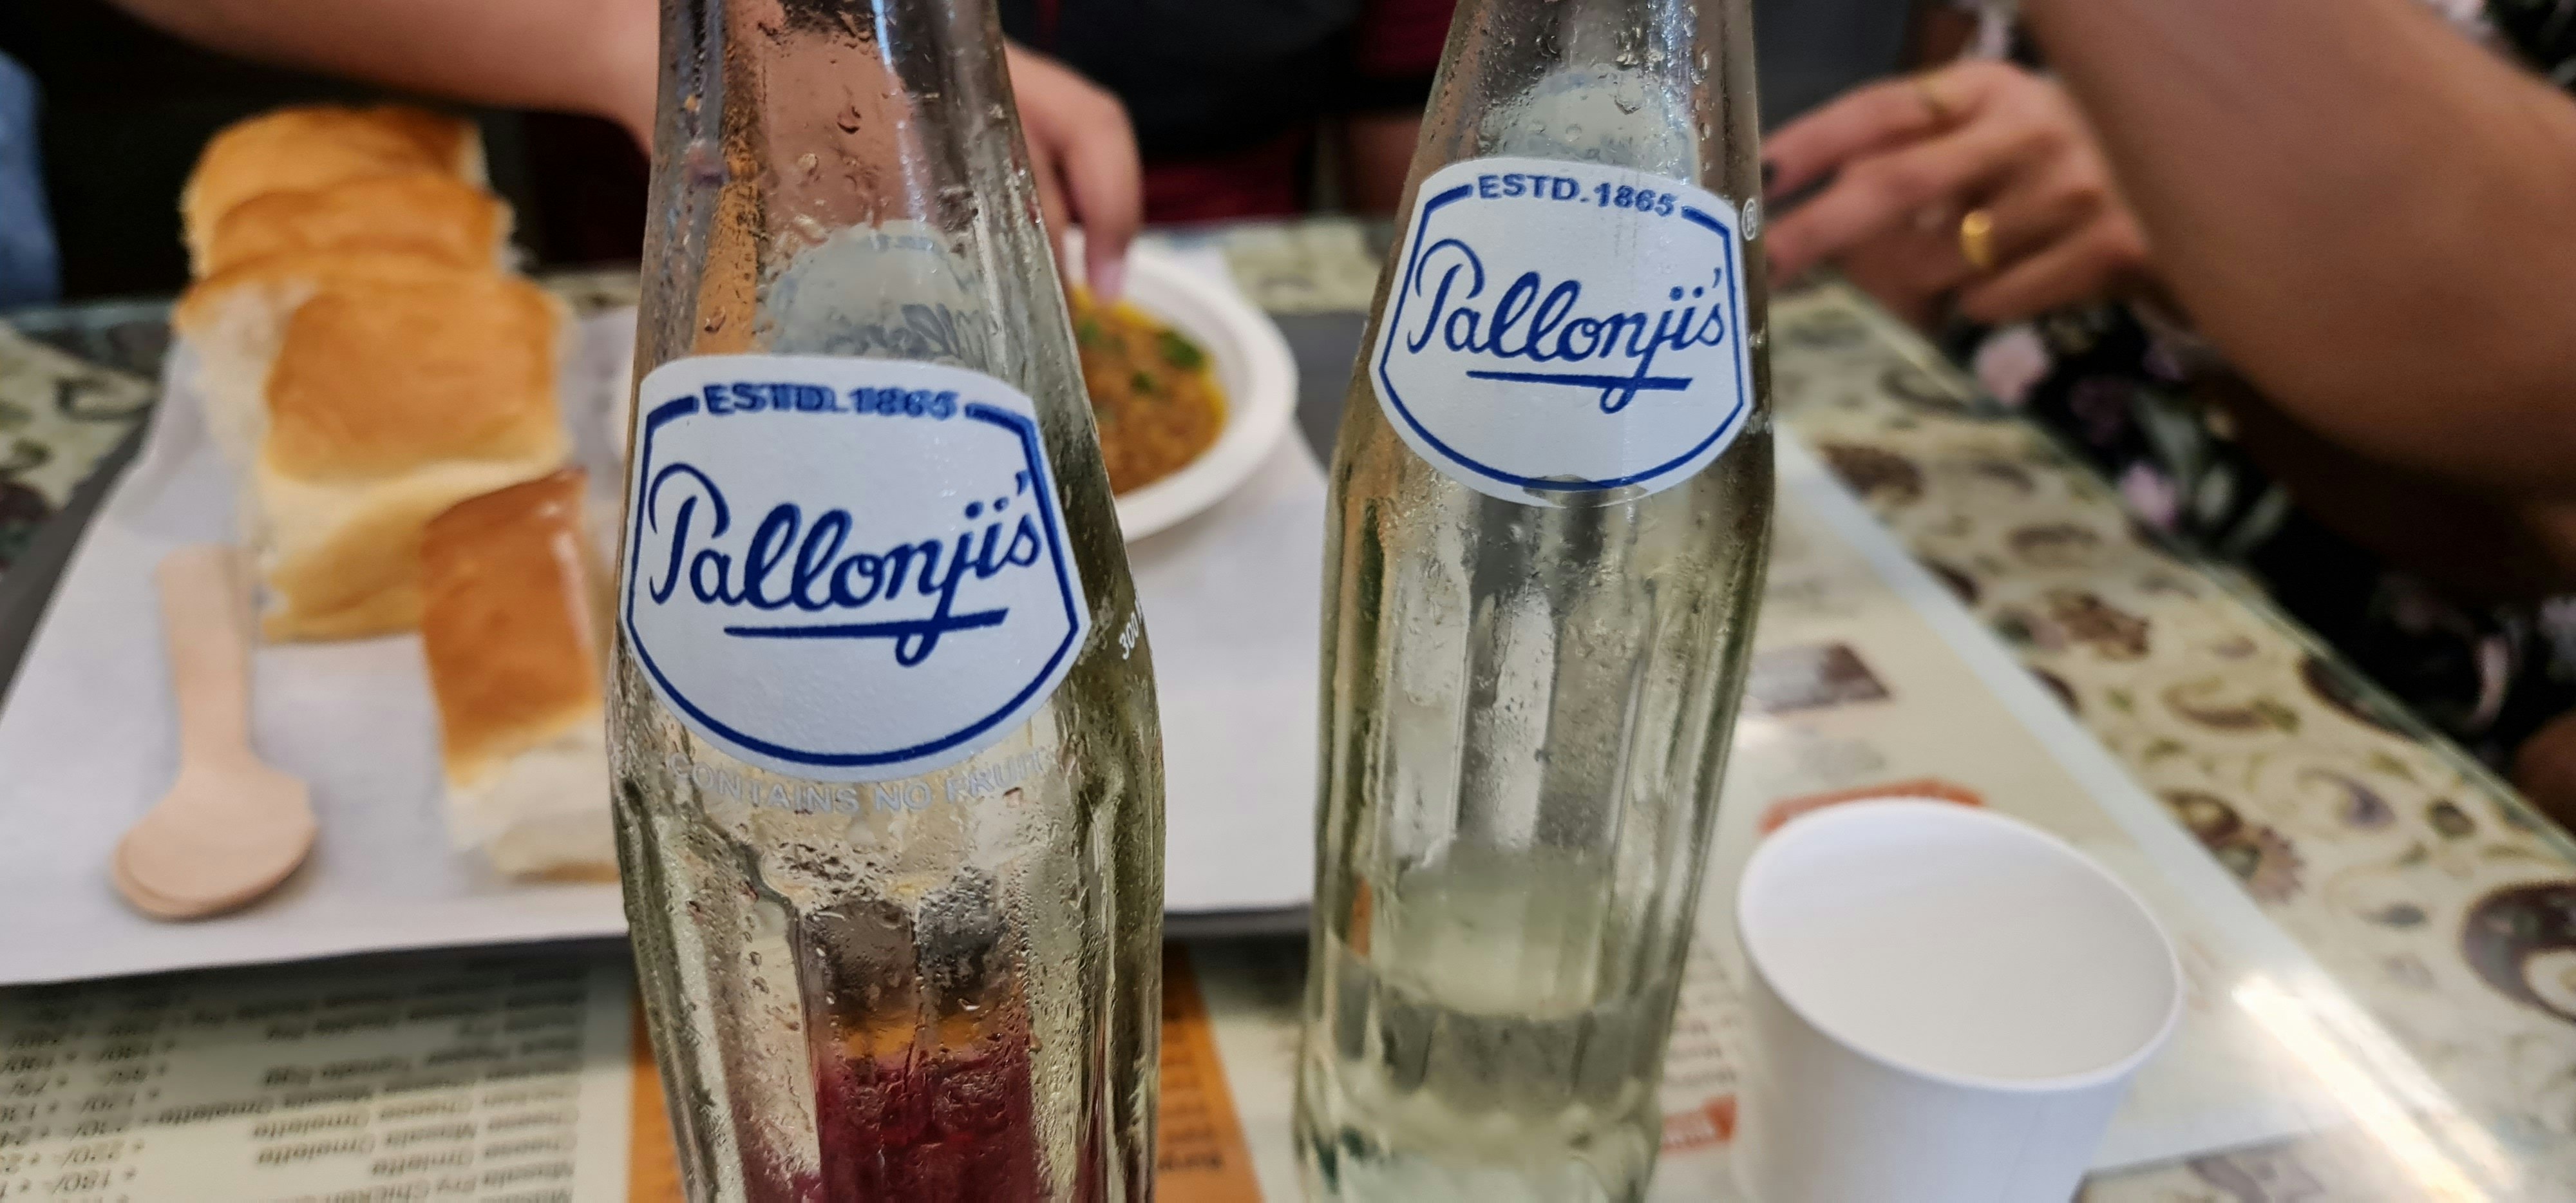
<point x="299" y="149"/>
<point x="359" y="395"/>
<point x="514" y="609"/>
<point x="423" y="213"/>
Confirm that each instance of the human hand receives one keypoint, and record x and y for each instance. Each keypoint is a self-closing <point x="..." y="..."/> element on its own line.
<point x="1910" y="160"/>
<point x="1083" y="153"/>
<point x="626" y="45"/>
<point x="1081" y="148"/>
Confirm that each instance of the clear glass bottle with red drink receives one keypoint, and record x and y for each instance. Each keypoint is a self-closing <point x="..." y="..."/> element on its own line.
<point x="889" y="785"/>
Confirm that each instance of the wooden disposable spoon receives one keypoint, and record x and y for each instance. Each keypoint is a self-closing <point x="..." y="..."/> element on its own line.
<point x="231" y="828"/>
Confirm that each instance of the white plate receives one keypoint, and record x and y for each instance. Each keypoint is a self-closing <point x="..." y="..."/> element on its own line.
<point x="87" y="736"/>
<point x="1253" y="366"/>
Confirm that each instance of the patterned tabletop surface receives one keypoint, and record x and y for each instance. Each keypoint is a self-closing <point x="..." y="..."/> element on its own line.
<point x="2422" y="884"/>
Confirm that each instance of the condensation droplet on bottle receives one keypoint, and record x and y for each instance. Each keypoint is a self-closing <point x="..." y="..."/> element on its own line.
<point x="704" y="163"/>
<point x="808" y="163"/>
<point x="849" y="120"/>
<point x="715" y="322"/>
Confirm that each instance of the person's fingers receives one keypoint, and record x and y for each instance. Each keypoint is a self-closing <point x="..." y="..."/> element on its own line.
<point x="2031" y="217"/>
<point x="2050" y="201"/>
<point x="1923" y="263"/>
<point x="1083" y="153"/>
<point x="1910" y="271"/>
<point x="2103" y="257"/>
<point x="1105" y="179"/>
<point x="1884" y="115"/>
<point x="1862" y="122"/>
<point x="1884" y="191"/>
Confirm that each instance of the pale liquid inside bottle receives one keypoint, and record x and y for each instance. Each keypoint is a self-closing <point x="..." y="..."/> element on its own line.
<point x="1531" y="708"/>
<point x="1474" y="1028"/>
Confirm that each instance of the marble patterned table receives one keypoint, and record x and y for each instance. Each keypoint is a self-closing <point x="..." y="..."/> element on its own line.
<point x="2433" y="895"/>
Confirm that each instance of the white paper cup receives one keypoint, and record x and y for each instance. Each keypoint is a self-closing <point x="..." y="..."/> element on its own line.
<point x="1947" y="1006"/>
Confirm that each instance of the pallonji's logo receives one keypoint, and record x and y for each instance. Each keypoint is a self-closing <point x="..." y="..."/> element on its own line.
<point x="1562" y="329"/>
<point x="845" y="569"/>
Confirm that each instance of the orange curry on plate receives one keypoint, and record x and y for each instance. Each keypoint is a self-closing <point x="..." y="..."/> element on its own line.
<point x="1152" y="390"/>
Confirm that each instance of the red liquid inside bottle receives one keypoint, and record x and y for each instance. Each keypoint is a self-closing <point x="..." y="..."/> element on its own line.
<point x="949" y="1126"/>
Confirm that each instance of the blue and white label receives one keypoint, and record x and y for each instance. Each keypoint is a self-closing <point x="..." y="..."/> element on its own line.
<point x="845" y="569"/>
<point x="1560" y="330"/>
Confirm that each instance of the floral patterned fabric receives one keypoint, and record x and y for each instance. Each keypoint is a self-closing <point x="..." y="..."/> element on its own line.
<point x="2122" y="393"/>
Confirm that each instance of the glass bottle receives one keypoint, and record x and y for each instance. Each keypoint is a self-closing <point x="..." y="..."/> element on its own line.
<point x="888" y="782"/>
<point x="1551" y="508"/>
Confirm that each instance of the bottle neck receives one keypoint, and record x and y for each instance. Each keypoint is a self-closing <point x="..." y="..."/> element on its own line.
<point x="1664" y="86"/>
<point x="793" y="130"/>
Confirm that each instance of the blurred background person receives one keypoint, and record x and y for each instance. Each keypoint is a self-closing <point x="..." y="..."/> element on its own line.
<point x="1254" y="110"/>
<point x="1240" y="107"/>
<point x="2293" y="274"/>
<point x="564" y="89"/>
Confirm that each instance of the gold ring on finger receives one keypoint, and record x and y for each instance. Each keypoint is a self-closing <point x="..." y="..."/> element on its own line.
<point x="1977" y="239"/>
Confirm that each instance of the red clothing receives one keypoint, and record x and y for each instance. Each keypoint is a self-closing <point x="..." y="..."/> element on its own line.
<point x="1264" y="181"/>
<point x="1399" y="39"/>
